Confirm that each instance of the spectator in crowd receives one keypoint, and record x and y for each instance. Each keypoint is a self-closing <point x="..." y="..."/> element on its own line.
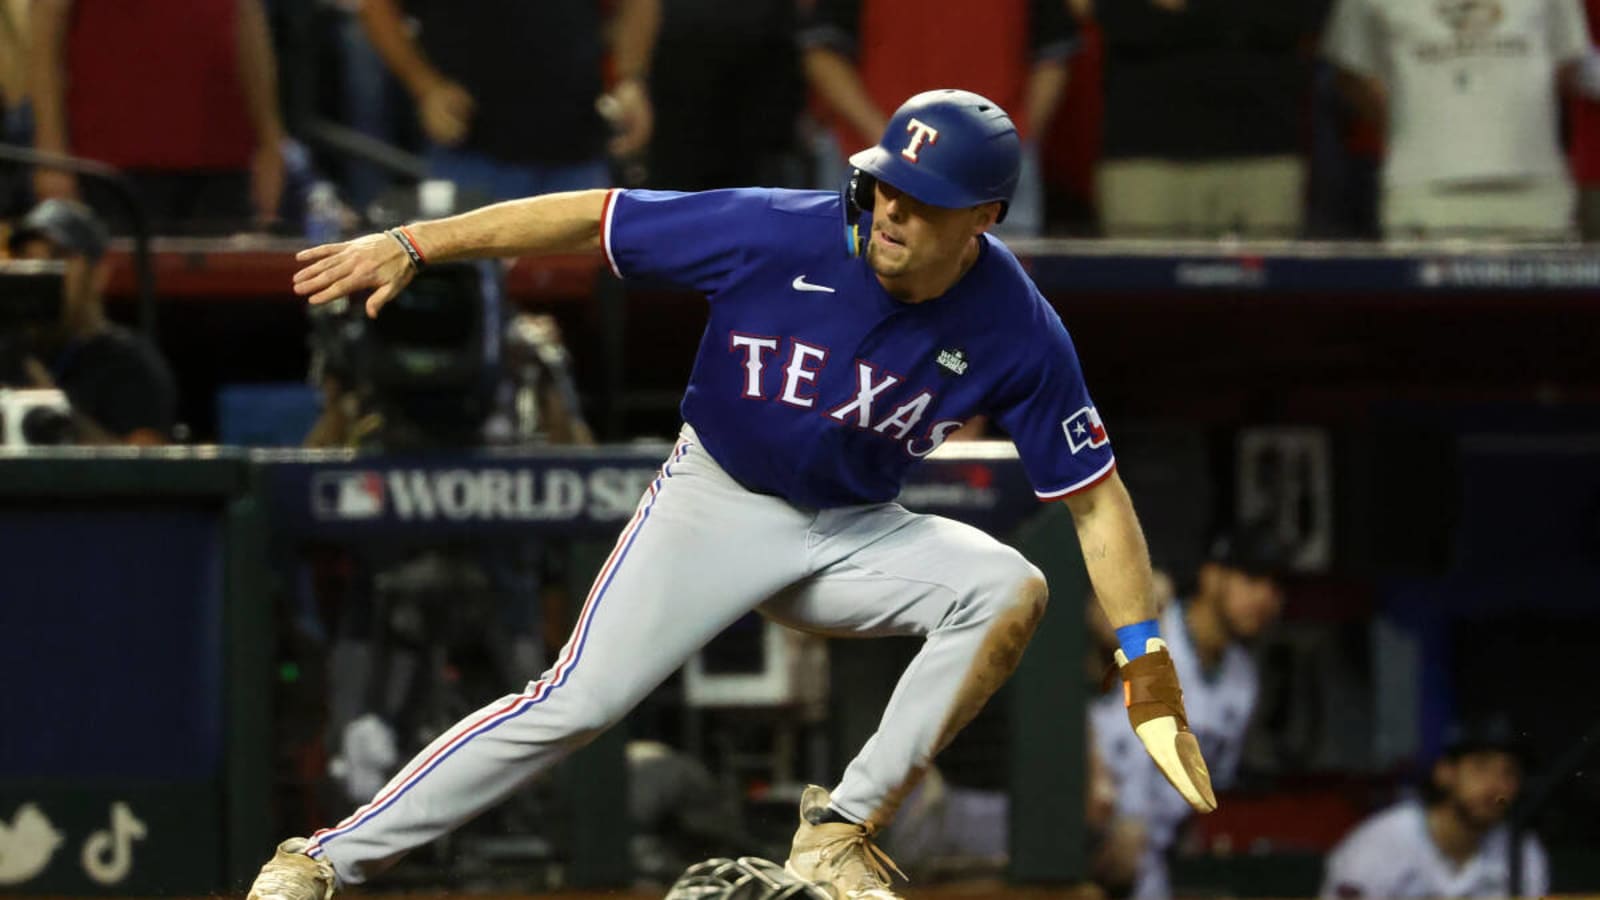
<point x="1070" y="151"/>
<point x="862" y="57"/>
<point x="1346" y="157"/>
<point x="1237" y="597"/>
<point x="120" y="388"/>
<point x="1452" y="843"/>
<point x="1585" y="122"/>
<point x="1468" y="93"/>
<point x="1202" y="116"/>
<point x="13" y="67"/>
<point x="509" y="93"/>
<point x="727" y="91"/>
<point x="13" y="55"/>
<point x="370" y="100"/>
<point x="181" y="95"/>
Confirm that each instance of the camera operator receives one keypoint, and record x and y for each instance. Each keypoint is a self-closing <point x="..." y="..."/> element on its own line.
<point x="538" y="398"/>
<point x="120" y="388"/>
<point x="533" y="400"/>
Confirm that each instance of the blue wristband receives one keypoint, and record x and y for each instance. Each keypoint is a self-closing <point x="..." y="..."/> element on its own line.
<point x="1133" y="637"/>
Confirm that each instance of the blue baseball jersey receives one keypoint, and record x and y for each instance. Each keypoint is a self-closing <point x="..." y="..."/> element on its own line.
<point x="812" y="383"/>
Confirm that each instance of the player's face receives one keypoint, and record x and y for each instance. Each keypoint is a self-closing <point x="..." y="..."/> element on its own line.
<point x="909" y="236"/>
<point x="1250" y="602"/>
<point x="1480" y="785"/>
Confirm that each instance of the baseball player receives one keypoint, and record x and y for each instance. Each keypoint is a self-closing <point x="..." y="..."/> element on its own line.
<point x="849" y="335"/>
<point x="1236" y="597"/>
<point x="1453" y="843"/>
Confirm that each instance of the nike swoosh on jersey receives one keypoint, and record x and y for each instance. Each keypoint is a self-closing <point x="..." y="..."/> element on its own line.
<point x="801" y="284"/>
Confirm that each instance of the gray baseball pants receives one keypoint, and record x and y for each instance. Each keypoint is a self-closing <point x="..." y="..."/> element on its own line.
<point x="699" y="552"/>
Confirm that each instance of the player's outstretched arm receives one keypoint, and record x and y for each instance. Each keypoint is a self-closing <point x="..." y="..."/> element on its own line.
<point x="1118" y="561"/>
<point x="382" y="263"/>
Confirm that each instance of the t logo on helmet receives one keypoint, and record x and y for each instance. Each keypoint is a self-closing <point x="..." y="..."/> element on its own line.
<point x="919" y="132"/>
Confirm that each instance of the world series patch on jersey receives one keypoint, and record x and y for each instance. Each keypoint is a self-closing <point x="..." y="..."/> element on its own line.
<point x="814" y="384"/>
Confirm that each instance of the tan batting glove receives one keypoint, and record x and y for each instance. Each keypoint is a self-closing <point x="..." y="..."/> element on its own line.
<point x="1154" y="699"/>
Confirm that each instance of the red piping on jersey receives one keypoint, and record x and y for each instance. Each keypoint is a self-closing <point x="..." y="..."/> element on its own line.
<point x="606" y="211"/>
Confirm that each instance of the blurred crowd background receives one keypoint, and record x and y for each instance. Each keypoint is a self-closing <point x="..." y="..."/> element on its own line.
<point x="1310" y="119"/>
<point x="1377" y="513"/>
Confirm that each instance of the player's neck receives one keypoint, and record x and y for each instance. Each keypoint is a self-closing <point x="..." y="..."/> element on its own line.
<point x="1457" y="840"/>
<point x="1207" y="632"/>
<point x="934" y="282"/>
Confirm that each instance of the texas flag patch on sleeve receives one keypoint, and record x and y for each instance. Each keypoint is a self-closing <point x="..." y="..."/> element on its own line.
<point x="1084" y="429"/>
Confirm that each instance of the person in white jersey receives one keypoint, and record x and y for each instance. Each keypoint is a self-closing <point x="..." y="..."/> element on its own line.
<point x="1454" y="841"/>
<point x="1237" y="596"/>
<point x="1469" y="93"/>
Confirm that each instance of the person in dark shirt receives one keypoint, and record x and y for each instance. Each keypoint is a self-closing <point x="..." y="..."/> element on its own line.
<point x="1203" y="105"/>
<point x="743" y="55"/>
<point x="120" y="388"/>
<point x="509" y="92"/>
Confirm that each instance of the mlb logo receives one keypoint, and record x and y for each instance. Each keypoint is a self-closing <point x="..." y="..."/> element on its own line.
<point x="1083" y="429"/>
<point x="347" y="495"/>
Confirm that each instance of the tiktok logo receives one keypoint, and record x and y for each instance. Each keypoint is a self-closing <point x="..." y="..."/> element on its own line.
<point x="108" y="855"/>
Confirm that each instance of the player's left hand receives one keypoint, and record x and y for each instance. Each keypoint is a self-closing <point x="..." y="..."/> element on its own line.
<point x="376" y="261"/>
<point x="1154" y="699"/>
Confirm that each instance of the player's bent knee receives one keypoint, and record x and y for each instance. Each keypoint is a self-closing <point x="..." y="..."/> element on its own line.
<point x="1009" y="583"/>
<point x="1020" y="581"/>
<point x="1028" y="601"/>
<point x="1034" y="591"/>
<point x="1010" y="626"/>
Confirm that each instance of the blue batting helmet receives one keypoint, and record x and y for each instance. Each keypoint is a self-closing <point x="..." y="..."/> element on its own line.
<point x="947" y="148"/>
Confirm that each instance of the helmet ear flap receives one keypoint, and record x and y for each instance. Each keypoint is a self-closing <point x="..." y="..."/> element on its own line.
<point x="859" y="192"/>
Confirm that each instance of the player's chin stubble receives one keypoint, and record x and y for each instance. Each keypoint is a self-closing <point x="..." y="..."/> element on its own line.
<point x="881" y="264"/>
